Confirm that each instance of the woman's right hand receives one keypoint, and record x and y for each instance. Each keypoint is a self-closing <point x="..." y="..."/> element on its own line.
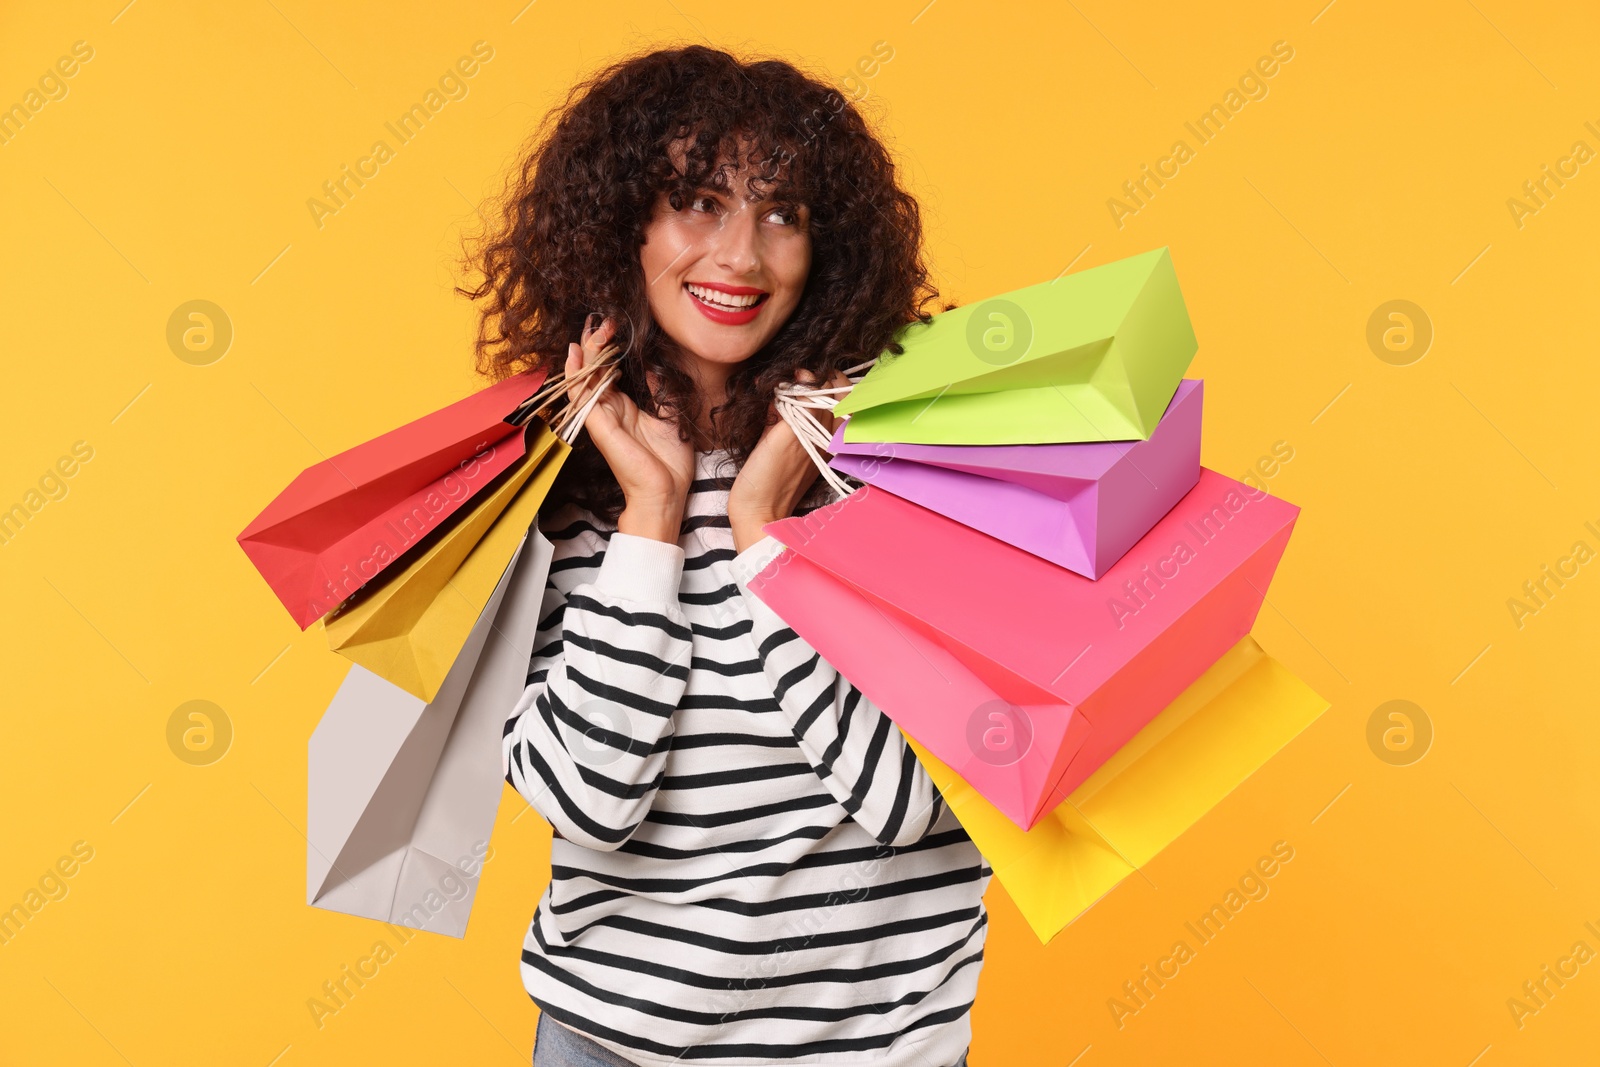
<point x="651" y="464"/>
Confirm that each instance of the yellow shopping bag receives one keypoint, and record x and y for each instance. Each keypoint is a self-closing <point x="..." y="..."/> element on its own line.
<point x="410" y="628"/>
<point x="1200" y="747"/>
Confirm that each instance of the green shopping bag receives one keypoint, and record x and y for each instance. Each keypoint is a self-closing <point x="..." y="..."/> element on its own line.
<point x="1091" y="356"/>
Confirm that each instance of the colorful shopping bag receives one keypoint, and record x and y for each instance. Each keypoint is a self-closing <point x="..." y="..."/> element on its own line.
<point x="343" y="521"/>
<point x="1080" y="506"/>
<point x="1198" y="748"/>
<point x="1048" y="646"/>
<point x="402" y="794"/>
<point x="1012" y="747"/>
<point x="1091" y="356"/>
<point x="1201" y="747"/>
<point x="410" y="628"/>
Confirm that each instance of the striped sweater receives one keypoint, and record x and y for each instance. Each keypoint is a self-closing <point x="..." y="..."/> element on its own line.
<point x="750" y="866"/>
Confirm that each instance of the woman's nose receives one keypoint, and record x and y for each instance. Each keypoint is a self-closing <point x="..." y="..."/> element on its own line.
<point x="738" y="241"/>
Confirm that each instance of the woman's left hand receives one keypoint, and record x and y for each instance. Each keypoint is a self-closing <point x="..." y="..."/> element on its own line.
<point x="777" y="475"/>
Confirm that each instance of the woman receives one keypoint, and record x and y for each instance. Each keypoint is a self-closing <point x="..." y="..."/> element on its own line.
<point x="750" y="867"/>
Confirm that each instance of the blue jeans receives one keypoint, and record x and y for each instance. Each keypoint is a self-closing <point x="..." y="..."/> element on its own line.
<point x="556" y="1046"/>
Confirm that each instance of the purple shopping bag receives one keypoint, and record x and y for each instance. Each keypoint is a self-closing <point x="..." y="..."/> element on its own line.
<point x="1080" y="506"/>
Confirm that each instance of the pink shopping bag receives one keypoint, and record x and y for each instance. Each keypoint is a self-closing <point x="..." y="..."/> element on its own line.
<point x="1010" y="748"/>
<point x="1080" y="506"/>
<point x="1048" y="646"/>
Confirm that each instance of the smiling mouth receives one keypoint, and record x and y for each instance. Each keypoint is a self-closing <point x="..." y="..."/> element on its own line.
<point x="727" y="306"/>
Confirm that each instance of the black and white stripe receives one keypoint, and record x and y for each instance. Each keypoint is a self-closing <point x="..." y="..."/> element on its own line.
<point x="750" y="867"/>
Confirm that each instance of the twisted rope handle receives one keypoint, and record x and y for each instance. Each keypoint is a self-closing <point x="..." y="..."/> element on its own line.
<point x="796" y="403"/>
<point x="568" y="421"/>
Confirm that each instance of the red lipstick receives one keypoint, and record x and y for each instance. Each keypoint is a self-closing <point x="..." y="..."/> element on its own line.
<point x="723" y="315"/>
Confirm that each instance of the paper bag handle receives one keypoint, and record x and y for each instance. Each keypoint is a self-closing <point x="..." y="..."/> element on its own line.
<point x="796" y="403"/>
<point x="567" y="422"/>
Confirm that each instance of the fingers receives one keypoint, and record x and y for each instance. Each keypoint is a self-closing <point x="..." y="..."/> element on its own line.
<point x="824" y="415"/>
<point x="614" y="412"/>
<point x="602" y="418"/>
<point x="576" y="360"/>
<point x="805" y="377"/>
<point x="597" y="333"/>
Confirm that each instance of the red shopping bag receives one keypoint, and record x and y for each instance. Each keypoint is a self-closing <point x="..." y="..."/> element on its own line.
<point x="1027" y="647"/>
<point x="342" y="521"/>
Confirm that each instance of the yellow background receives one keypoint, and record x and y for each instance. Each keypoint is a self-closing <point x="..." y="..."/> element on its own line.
<point x="1377" y="168"/>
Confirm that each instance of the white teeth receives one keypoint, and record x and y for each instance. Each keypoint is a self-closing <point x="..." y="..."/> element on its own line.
<point x="721" y="299"/>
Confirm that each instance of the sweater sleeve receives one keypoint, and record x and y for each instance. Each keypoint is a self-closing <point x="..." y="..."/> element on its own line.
<point x="587" y="743"/>
<point x="857" y="750"/>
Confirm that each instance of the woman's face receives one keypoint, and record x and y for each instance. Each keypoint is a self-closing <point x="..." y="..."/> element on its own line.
<point x="725" y="271"/>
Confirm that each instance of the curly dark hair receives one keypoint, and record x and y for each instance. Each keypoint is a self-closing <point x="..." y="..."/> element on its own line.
<point x="572" y="219"/>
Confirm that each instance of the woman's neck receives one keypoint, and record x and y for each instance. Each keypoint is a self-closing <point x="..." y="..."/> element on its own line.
<point x="711" y="389"/>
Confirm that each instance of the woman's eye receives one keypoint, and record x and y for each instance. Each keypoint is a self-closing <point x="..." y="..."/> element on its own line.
<point x="694" y="205"/>
<point x="784" y="216"/>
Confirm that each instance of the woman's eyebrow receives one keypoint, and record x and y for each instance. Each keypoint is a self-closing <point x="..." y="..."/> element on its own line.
<point x="750" y="197"/>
